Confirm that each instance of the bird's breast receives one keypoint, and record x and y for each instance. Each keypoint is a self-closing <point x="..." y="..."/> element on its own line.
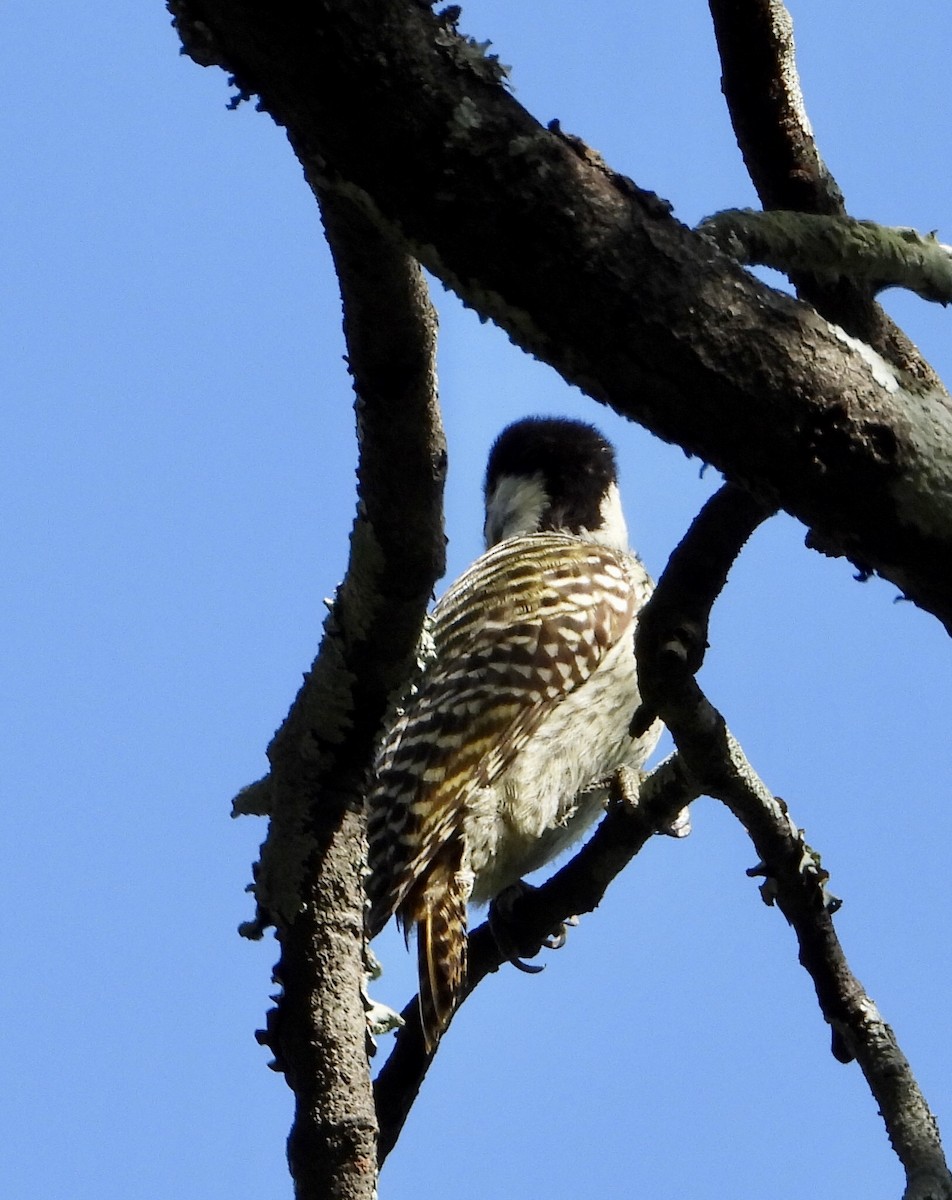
<point x="556" y="786"/>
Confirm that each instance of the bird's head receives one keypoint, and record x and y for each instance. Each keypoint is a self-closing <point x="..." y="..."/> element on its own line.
<point x="551" y="474"/>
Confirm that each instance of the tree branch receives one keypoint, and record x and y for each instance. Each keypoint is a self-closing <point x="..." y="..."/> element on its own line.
<point x="577" y="888"/>
<point x="591" y="274"/>
<point x="833" y="248"/>
<point x="309" y="883"/>
<point x="670" y="641"/>
<point x="762" y="89"/>
<point x="594" y="276"/>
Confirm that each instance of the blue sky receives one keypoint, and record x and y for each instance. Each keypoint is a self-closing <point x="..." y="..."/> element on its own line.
<point x="177" y="488"/>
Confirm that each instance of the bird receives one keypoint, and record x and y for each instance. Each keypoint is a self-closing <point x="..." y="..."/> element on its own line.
<point x="501" y="755"/>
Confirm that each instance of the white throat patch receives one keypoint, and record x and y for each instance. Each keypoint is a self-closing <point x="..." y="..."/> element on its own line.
<point x="517" y="503"/>
<point x="613" y="530"/>
<point x="514" y="506"/>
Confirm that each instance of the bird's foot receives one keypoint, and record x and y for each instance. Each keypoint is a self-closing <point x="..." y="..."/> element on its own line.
<point x="624" y="787"/>
<point x="507" y="939"/>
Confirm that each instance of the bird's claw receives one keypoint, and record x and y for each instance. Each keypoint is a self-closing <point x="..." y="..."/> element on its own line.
<point x="559" y="936"/>
<point x="499" y="922"/>
<point x="527" y="968"/>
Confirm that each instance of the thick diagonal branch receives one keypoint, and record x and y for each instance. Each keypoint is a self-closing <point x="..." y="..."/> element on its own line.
<point x="577" y="888"/>
<point x="593" y="275"/>
<point x="310" y="879"/>
<point x="670" y="643"/>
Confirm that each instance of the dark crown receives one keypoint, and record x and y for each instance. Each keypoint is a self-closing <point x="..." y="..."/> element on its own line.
<point x="574" y="463"/>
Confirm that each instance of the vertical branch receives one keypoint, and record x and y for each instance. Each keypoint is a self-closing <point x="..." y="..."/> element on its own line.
<point x="310" y="879"/>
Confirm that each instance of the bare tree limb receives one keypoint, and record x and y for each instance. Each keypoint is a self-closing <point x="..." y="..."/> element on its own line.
<point x="762" y="88"/>
<point x="309" y="883"/>
<point x="833" y="248"/>
<point x="593" y="275"/>
<point x="577" y="888"/>
<point x="670" y="642"/>
<point x="672" y="627"/>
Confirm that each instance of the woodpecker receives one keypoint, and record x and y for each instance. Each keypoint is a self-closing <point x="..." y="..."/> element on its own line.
<point x="500" y="758"/>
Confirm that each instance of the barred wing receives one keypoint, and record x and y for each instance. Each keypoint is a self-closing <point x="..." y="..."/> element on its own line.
<point x="528" y="623"/>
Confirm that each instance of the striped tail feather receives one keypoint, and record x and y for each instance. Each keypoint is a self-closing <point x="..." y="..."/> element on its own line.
<point x="441" y="955"/>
